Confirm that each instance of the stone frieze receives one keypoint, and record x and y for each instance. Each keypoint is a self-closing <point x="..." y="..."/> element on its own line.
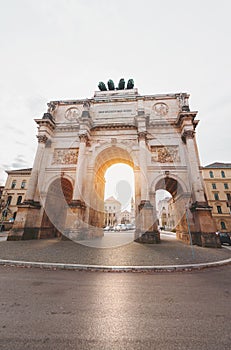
<point x="65" y="156"/>
<point x="165" y="154"/>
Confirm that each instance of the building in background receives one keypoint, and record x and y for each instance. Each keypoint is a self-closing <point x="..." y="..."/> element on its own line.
<point x="113" y="215"/>
<point x="126" y="217"/>
<point x="217" y="179"/>
<point x="162" y="212"/>
<point x="14" y="192"/>
<point x="1" y="192"/>
<point x="112" y="212"/>
<point x="172" y="214"/>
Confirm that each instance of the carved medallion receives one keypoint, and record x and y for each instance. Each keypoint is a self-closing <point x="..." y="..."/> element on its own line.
<point x="72" y="114"/>
<point x="160" y="109"/>
<point x="65" y="156"/>
<point x="162" y="154"/>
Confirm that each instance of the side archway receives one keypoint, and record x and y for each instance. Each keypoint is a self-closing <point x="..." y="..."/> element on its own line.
<point x="59" y="196"/>
<point x="178" y="204"/>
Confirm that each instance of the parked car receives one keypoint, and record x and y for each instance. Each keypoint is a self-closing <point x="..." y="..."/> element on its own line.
<point x="224" y="238"/>
<point x="107" y="228"/>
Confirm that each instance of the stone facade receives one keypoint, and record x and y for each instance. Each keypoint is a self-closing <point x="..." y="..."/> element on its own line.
<point x="112" y="212"/>
<point x="79" y="139"/>
<point x="14" y="190"/>
<point x="217" y="179"/>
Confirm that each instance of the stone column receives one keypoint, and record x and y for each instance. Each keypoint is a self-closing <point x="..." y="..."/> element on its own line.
<point x="143" y="166"/>
<point x="77" y="195"/>
<point x="77" y="224"/>
<point x="205" y="228"/>
<point x="147" y="231"/>
<point x="152" y="196"/>
<point x="193" y="164"/>
<point x="30" y="194"/>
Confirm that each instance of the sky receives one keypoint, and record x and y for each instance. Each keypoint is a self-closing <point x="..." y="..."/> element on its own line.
<point x="61" y="49"/>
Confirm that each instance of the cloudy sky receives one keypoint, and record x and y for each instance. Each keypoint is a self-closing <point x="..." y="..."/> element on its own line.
<point x="61" y="49"/>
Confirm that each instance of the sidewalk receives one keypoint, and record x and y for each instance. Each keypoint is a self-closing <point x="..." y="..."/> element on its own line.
<point x="169" y="254"/>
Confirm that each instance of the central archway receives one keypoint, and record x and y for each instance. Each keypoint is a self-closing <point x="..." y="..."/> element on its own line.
<point x="104" y="160"/>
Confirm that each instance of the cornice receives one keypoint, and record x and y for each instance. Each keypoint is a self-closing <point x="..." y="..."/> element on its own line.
<point x="119" y="98"/>
<point x="114" y="127"/>
<point x="184" y="115"/>
<point x="60" y="128"/>
<point x="45" y="122"/>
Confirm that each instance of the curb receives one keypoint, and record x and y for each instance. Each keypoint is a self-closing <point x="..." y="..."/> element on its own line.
<point x="163" y="268"/>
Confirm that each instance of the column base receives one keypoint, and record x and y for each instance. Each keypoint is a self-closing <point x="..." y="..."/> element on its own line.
<point x="147" y="230"/>
<point x="207" y="240"/>
<point x="77" y="203"/>
<point x="149" y="237"/>
<point x="23" y="234"/>
<point x="205" y="233"/>
<point x="76" y="229"/>
<point x="27" y="223"/>
<point x="82" y="234"/>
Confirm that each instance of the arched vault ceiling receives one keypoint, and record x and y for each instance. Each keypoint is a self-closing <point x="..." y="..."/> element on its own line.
<point x="110" y="156"/>
<point x="169" y="184"/>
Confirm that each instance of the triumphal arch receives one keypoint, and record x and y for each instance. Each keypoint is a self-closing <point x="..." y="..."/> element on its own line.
<point x="79" y="139"/>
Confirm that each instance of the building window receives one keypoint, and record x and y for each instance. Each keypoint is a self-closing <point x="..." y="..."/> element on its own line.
<point x="19" y="200"/>
<point x="13" y="185"/>
<point x="219" y="209"/>
<point x="9" y="199"/>
<point x="23" y="184"/>
<point x="228" y="195"/>
<point x="223" y="226"/>
<point x="4" y="213"/>
<point x="214" y="186"/>
<point x="216" y="196"/>
<point x="222" y="174"/>
<point x="226" y="186"/>
<point x="211" y="174"/>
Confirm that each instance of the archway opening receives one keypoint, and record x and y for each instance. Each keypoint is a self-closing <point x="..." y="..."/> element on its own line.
<point x="58" y="198"/>
<point x="165" y="210"/>
<point x="175" y="204"/>
<point x="119" y="204"/>
<point x="111" y="179"/>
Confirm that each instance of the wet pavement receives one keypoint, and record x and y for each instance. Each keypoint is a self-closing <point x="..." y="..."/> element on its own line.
<point x="114" y="249"/>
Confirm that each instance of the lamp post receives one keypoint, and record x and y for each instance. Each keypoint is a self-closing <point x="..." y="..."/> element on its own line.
<point x="189" y="231"/>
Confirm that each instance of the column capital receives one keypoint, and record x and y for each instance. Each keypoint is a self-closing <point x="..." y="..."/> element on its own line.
<point x="187" y="134"/>
<point x="142" y="135"/>
<point x="84" y="138"/>
<point x="42" y="138"/>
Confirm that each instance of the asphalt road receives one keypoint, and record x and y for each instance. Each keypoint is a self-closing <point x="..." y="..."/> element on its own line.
<point x="43" y="309"/>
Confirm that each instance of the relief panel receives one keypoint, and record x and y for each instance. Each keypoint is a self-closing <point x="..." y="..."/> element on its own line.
<point x="65" y="156"/>
<point x="162" y="154"/>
